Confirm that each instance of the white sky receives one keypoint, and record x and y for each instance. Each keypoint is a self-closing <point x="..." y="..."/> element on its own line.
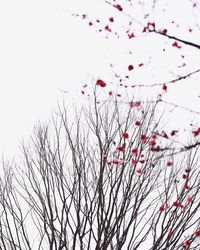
<point x="44" y="49"/>
<point x="40" y="53"/>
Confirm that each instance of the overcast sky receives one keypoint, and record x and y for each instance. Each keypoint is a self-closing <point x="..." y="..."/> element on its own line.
<point x="40" y="53"/>
<point x="43" y="50"/>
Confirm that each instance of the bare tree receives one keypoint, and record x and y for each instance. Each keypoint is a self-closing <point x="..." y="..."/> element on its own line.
<point x="105" y="177"/>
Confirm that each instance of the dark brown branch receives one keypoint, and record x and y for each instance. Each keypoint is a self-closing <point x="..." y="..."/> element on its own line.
<point x="176" y="38"/>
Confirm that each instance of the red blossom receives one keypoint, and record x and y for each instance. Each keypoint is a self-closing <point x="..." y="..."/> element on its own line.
<point x="90" y="23"/>
<point x="137" y="104"/>
<point x="113" y="162"/>
<point x="186" y="244"/>
<point x="155" y="149"/>
<point x="130" y="67"/>
<point x="173" y="132"/>
<point x="164" y="134"/>
<point x="196" y="132"/>
<point x="107" y="28"/>
<point x="139" y="171"/>
<point x="137" y="123"/>
<point x="118" y="6"/>
<point x="121" y="148"/>
<point x="125" y="135"/>
<point x="116" y="161"/>
<point x="149" y="27"/>
<point x="143" y="138"/>
<point x="100" y="83"/>
<point x="134" y="104"/>
<point x="169" y="164"/>
<point x="177" y="204"/>
<point x="164" y="87"/>
<point x="175" y="44"/>
<point x="135" y="151"/>
<point x="161" y="209"/>
<point x="133" y="163"/>
<point x="111" y="19"/>
<point x="170" y="233"/>
<point x="154" y="135"/>
<point x="110" y="93"/>
<point x="164" y="31"/>
<point x="82" y="92"/>
<point x="152" y="142"/>
<point x="185" y="176"/>
<point x="186" y="186"/>
<point x="141" y="64"/>
<point x="131" y="35"/>
<point x="189" y="199"/>
<point x="197" y="232"/>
